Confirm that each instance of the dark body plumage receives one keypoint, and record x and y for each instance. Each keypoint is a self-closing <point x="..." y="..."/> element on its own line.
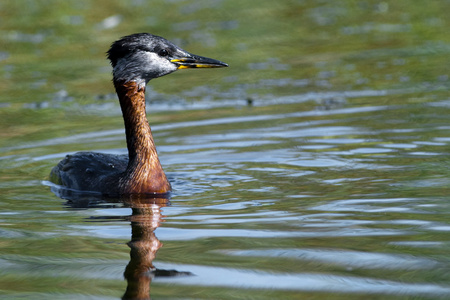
<point x="98" y="169"/>
<point x="136" y="59"/>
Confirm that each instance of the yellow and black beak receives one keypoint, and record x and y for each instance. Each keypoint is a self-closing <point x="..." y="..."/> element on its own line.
<point x="195" y="61"/>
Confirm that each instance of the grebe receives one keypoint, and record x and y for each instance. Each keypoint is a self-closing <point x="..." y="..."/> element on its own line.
<point x="136" y="59"/>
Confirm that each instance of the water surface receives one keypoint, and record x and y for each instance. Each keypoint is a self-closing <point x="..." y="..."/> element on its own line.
<point x="315" y="167"/>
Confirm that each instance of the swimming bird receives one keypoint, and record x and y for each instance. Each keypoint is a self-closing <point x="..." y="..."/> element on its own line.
<point x="136" y="59"/>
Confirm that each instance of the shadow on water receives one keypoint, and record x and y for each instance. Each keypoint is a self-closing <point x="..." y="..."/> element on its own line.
<point x="146" y="217"/>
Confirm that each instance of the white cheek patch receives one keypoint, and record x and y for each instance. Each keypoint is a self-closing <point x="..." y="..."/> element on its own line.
<point x="160" y="65"/>
<point x="143" y="66"/>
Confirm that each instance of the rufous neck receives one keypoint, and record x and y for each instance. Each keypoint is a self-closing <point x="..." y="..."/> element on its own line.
<point x="144" y="173"/>
<point x="132" y="102"/>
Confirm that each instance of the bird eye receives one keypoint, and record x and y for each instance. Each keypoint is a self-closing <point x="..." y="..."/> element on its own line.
<point x="163" y="52"/>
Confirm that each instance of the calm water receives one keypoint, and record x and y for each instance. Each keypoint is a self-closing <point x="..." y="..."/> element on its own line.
<point x="315" y="167"/>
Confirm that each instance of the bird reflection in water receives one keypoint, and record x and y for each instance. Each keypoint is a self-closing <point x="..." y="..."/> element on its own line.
<point x="146" y="217"/>
<point x="144" y="244"/>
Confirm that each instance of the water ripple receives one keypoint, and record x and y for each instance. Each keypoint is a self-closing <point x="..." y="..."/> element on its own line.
<point x="242" y="278"/>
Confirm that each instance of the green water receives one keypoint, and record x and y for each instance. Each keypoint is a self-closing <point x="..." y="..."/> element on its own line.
<point x="315" y="167"/>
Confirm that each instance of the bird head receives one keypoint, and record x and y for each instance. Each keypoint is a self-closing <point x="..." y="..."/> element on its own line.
<point x="143" y="56"/>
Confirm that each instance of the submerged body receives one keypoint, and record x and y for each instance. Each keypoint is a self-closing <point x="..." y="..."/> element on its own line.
<point x="136" y="59"/>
